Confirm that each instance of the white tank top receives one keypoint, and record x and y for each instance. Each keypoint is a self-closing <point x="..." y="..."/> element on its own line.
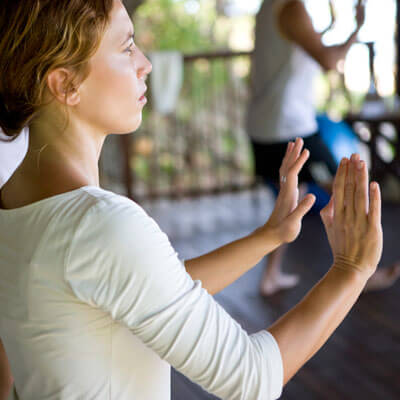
<point x="12" y="154"/>
<point x="281" y="104"/>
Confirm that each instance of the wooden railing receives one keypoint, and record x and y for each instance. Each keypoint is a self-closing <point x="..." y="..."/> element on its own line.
<point x="202" y="147"/>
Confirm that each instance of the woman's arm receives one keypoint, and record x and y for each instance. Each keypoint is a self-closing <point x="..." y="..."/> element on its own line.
<point x="6" y="378"/>
<point x="221" y="267"/>
<point x="295" y="24"/>
<point x="306" y="327"/>
<point x="355" y="235"/>
<point x="134" y="274"/>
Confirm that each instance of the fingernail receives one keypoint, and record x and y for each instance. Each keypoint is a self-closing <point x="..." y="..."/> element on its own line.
<point x="360" y="165"/>
<point x="344" y="161"/>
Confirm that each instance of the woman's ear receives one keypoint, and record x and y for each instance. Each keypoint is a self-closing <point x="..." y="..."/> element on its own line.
<point x="57" y="83"/>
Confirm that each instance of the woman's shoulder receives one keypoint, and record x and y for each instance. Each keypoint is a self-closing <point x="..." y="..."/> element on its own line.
<point x="114" y="227"/>
<point x="112" y="214"/>
<point x="107" y="205"/>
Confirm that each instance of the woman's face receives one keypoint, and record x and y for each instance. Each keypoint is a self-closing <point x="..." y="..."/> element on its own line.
<point x="110" y="96"/>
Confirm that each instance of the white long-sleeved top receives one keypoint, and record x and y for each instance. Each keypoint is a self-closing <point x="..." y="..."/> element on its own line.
<point x="96" y="304"/>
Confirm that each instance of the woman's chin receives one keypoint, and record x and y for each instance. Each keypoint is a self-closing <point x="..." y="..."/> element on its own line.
<point x="129" y="128"/>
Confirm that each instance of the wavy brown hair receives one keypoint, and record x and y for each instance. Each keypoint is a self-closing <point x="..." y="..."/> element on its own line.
<point x="36" y="37"/>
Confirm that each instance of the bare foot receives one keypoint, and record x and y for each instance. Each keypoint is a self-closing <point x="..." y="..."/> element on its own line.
<point x="383" y="278"/>
<point x="280" y="282"/>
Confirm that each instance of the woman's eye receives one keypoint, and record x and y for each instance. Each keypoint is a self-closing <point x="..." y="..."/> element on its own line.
<point x="129" y="49"/>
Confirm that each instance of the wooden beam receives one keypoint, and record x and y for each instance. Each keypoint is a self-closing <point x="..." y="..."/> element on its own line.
<point x="125" y="140"/>
<point x="398" y="48"/>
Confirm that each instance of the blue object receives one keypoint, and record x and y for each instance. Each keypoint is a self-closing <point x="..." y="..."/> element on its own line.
<point x="338" y="136"/>
<point x="322" y="197"/>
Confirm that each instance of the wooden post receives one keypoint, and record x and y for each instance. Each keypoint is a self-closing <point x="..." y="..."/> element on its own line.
<point x="398" y="47"/>
<point x="125" y="148"/>
<point x="125" y="140"/>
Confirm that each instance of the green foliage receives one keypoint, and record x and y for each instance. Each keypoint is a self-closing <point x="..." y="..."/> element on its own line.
<point x="168" y="25"/>
<point x="141" y="166"/>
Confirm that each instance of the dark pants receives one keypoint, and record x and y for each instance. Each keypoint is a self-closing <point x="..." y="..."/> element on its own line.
<point x="268" y="159"/>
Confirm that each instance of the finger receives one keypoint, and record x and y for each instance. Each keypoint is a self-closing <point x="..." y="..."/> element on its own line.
<point x="292" y="173"/>
<point x="349" y="191"/>
<point x="327" y="213"/>
<point x="375" y="205"/>
<point x="298" y="165"/>
<point x="284" y="166"/>
<point x="361" y="198"/>
<point x="289" y="148"/>
<point x="338" y="188"/>
<point x="303" y="207"/>
<point x="298" y="145"/>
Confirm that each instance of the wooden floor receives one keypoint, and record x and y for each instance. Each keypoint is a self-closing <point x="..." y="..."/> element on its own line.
<point x="360" y="361"/>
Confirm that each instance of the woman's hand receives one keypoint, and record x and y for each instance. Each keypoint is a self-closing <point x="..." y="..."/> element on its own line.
<point x="285" y="220"/>
<point x="333" y="18"/>
<point x="352" y="219"/>
<point x="360" y="14"/>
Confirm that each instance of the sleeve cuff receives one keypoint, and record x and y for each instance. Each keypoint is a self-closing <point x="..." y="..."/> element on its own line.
<point x="272" y="356"/>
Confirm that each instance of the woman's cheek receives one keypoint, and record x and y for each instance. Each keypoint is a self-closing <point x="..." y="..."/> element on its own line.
<point x="122" y="77"/>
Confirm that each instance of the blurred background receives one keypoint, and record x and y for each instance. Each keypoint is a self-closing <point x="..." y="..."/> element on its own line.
<point x="190" y="165"/>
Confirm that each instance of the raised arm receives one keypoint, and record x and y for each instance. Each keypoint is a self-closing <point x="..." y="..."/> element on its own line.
<point x="121" y="262"/>
<point x="219" y="268"/>
<point x="296" y="25"/>
<point x="353" y="225"/>
<point x="132" y="272"/>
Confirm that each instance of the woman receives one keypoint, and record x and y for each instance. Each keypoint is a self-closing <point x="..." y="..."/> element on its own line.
<point x="288" y="56"/>
<point x="94" y="302"/>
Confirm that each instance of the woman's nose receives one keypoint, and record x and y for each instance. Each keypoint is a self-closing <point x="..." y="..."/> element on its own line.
<point x="149" y="67"/>
<point x="146" y="68"/>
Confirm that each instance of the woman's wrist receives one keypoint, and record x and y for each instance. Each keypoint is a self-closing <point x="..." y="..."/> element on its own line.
<point x="269" y="237"/>
<point x="352" y="271"/>
<point x="353" y="37"/>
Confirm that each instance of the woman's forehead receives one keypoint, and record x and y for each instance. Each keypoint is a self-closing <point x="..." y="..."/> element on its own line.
<point x="120" y="24"/>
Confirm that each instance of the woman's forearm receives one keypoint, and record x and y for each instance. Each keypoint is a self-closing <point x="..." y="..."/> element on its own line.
<point x="221" y="267"/>
<point x="305" y="328"/>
